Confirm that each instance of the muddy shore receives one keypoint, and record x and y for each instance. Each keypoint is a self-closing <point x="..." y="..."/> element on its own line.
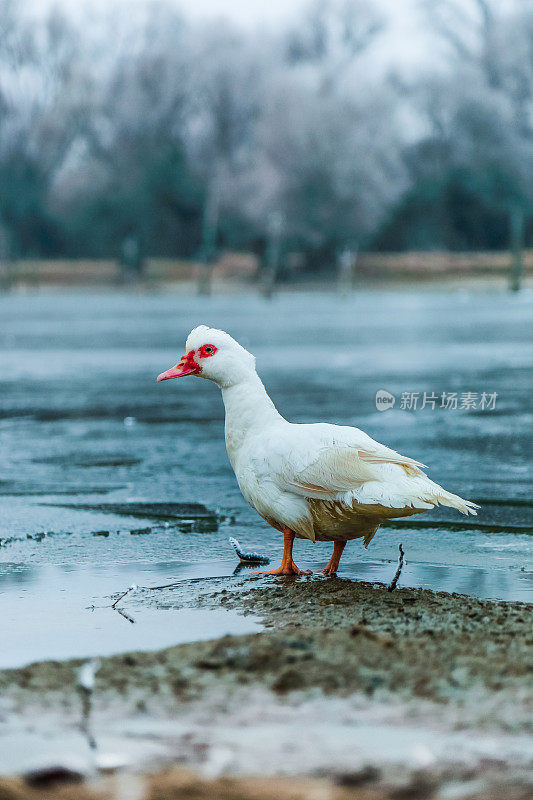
<point x="341" y="659"/>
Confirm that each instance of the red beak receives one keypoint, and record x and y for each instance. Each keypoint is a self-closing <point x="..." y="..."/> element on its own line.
<point x="187" y="366"/>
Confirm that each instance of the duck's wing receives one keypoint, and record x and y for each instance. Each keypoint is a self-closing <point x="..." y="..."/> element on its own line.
<point x="326" y="460"/>
<point x="331" y="462"/>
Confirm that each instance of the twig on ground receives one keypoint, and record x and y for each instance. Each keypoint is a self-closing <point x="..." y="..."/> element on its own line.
<point x="125" y="615"/>
<point x="128" y="590"/>
<point x="394" y="581"/>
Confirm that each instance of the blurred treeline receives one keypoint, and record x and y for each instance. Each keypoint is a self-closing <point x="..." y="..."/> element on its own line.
<point x="196" y="136"/>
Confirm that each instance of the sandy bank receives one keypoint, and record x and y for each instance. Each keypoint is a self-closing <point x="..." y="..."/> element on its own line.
<point x="394" y="689"/>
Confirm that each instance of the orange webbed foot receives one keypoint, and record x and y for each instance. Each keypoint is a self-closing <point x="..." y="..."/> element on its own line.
<point x="287" y="567"/>
<point x="333" y="564"/>
<point x="284" y="569"/>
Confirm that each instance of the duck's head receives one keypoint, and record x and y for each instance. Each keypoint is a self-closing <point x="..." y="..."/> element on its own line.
<point x="215" y="355"/>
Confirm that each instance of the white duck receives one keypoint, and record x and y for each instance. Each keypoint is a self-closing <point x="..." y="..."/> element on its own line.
<point x="319" y="482"/>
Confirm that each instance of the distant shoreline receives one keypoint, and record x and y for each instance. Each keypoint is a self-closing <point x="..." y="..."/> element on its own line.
<point x="405" y="283"/>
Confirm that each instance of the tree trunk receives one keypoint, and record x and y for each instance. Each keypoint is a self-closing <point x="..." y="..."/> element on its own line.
<point x="516" y="224"/>
<point x="209" y="241"/>
<point x="346" y="261"/>
<point x="273" y="253"/>
<point x="6" y="272"/>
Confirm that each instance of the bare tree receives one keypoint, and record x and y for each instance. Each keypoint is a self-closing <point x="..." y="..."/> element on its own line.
<point x="483" y="107"/>
<point x="41" y="107"/>
<point x="329" y="134"/>
<point x="227" y="76"/>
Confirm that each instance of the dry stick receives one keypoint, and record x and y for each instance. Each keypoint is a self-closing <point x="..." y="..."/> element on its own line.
<point x="394" y="581"/>
<point x="125" y="615"/>
<point x="128" y="590"/>
<point x="131" y="588"/>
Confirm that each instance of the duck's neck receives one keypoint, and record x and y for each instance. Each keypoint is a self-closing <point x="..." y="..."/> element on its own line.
<point x="248" y="407"/>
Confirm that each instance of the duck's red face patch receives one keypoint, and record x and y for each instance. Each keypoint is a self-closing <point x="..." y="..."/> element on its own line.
<point x="189" y="364"/>
<point x="207" y="350"/>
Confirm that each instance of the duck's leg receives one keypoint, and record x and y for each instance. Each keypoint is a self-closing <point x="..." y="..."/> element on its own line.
<point x="333" y="564"/>
<point x="288" y="567"/>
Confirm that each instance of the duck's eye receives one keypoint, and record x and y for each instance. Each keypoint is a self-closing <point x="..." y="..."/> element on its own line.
<point x="207" y="350"/>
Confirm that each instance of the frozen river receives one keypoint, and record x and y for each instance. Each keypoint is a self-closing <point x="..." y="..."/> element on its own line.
<point x="93" y="450"/>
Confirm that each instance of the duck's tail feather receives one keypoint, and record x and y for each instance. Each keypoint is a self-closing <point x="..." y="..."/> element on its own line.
<point x="454" y="501"/>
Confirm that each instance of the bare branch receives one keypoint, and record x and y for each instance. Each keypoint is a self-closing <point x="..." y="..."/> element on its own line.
<point x="394" y="581"/>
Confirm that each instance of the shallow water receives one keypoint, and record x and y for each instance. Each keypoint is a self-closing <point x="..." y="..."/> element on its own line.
<point x="66" y="611"/>
<point x="85" y="430"/>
